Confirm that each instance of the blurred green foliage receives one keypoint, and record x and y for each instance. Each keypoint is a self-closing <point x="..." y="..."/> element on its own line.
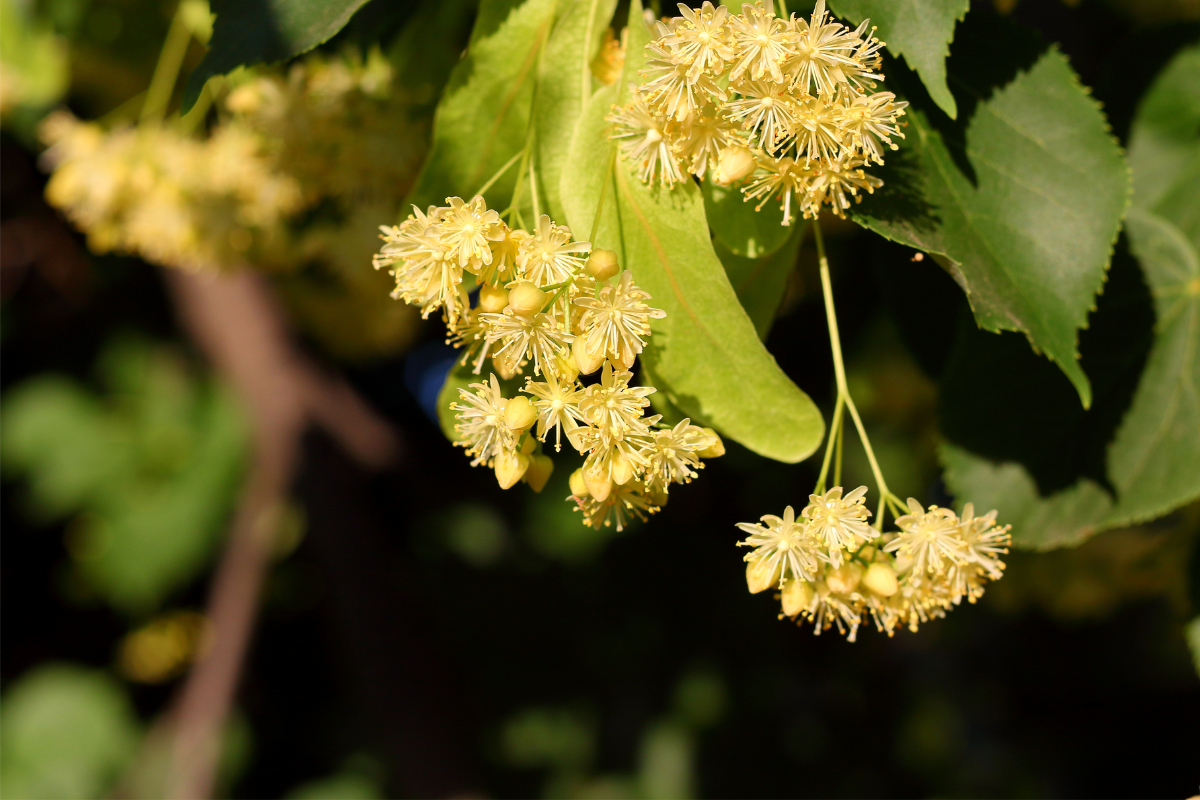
<point x="67" y="733"/>
<point x="147" y="472"/>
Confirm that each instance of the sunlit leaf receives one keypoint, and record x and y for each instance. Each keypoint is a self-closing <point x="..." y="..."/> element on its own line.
<point x="482" y="120"/>
<point x="760" y="283"/>
<point x="742" y="230"/>
<point x="1023" y="195"/>
<point x="919" y="30"/>
<point x="1150" y="462"/>
<point x="564" y="84"/>
<point x="705" y="355"/>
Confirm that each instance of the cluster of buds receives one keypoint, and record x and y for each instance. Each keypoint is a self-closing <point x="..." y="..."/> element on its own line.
<point x="786" y="105"/>
<point x="549" y="309"/>
<point x="832" y="568"/>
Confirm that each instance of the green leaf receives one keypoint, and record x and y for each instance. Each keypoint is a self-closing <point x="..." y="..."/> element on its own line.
<point x="564" y="84"/>
<point x="150" y="469"/>
<point x="68" y="732"/>
<point x="250" y="32"/>
<point x="482" y="120"/>
<point x="919" y="30"/>
<point x="705" y="355"/>
<point x="1023" y="195"/>
<point x="760" y="283"/>
<point x="736" y="225"/>
<point x="1149" y="463"/>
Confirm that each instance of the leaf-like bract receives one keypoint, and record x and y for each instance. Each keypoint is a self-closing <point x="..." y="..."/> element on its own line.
<point x="482" y="120"/>
<point x="705" y="355"/>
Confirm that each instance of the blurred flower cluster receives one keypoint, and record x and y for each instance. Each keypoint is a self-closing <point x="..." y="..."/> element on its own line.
<point x="272" y="186"/>
<point x="552" y="304"/>
<point x="833" y="568"/>
<point x="788" y="103"/>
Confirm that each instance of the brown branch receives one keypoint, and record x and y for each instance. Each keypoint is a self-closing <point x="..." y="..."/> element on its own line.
<point x="234" y="320"/>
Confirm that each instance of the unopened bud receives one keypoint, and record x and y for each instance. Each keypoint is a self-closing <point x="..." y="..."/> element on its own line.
<point x="881" y="579"/>
<point x="599" y="484"/>
<point x="796" y="596"/>
<point x="519" y="413"/>
<point x="622" y="469"/>
<point x="526" y="299"/>
<point x="492" y="299"/>
<point x="658" y="498"/>
<point x="540" y="468"/>
<point x="529" y="445"/>
<point x="844" y="579"/>
<point x="602" y="264"/>
<point x="586" y="361"/>
<point x="716" y="447"/>
<point x="735" y="163"/>
<point x="759" y="578"/>
<point x="565" y="367"/>
<point x="510" y="467"/>
<point x="578" y="486"/>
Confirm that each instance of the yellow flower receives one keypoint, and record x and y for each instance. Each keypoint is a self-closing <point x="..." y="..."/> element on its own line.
<point x="616" y="323"/>
<point x="466" y="230"/>
<point x="761" y="43"/>
<point x="549" y="256"/>
<point x="517" y="338"/>
<point x="481" y="425"/>
<point x="557" y="405"/>
<point x="643" y="139"/>
<point x="783" y="544"/>
<point x="930" y="539"/>
<point x="840" y="523"/>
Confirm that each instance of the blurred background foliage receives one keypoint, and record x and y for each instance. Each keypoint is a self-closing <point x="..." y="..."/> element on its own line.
<point x="423" y="633"/>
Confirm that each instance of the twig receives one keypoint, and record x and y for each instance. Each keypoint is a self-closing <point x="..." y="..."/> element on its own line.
<point x="233" y="319"/>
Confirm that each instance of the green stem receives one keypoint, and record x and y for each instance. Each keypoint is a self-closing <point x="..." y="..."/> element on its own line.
<point x="162" y="84"/>
<point x="837" y="461"/>
<point x="839" y="369"/>
<point x="834" y="429"/>
<point x="499" y="174"/>
<point x="195" y="118"/>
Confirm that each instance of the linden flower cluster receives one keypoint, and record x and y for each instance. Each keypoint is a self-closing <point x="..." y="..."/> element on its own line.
<point x="833" y="568"/>
<point x="550" y="309"/>
<point x="173" y="199"/>
<point x="787" y="103"/>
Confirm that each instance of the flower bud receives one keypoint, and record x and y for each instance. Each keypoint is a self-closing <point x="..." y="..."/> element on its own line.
<point x="510" y="467"/>
<point x="622" y="469"/>
<point x="492" y="299"/>
<point x="599" y="484"/>
<point x="585" y="360"/>
<point x="658" y="498"/>
<point x="759" y="578"/>
<point x="565" y="367"/>
<point x="715" y="449"/>
<point x="881" y="579"/>
<point x="735" y="163"/>
<point x="529" y="445"/>
<point x="519" y="413"/>
<point x="526" y="299"/>
<point x="796" y="596"/>
<point x="578" y="487"/>
<point x="540" y="468"/>
<point x="844" y="579"/>
<point x="602" y="264"/>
